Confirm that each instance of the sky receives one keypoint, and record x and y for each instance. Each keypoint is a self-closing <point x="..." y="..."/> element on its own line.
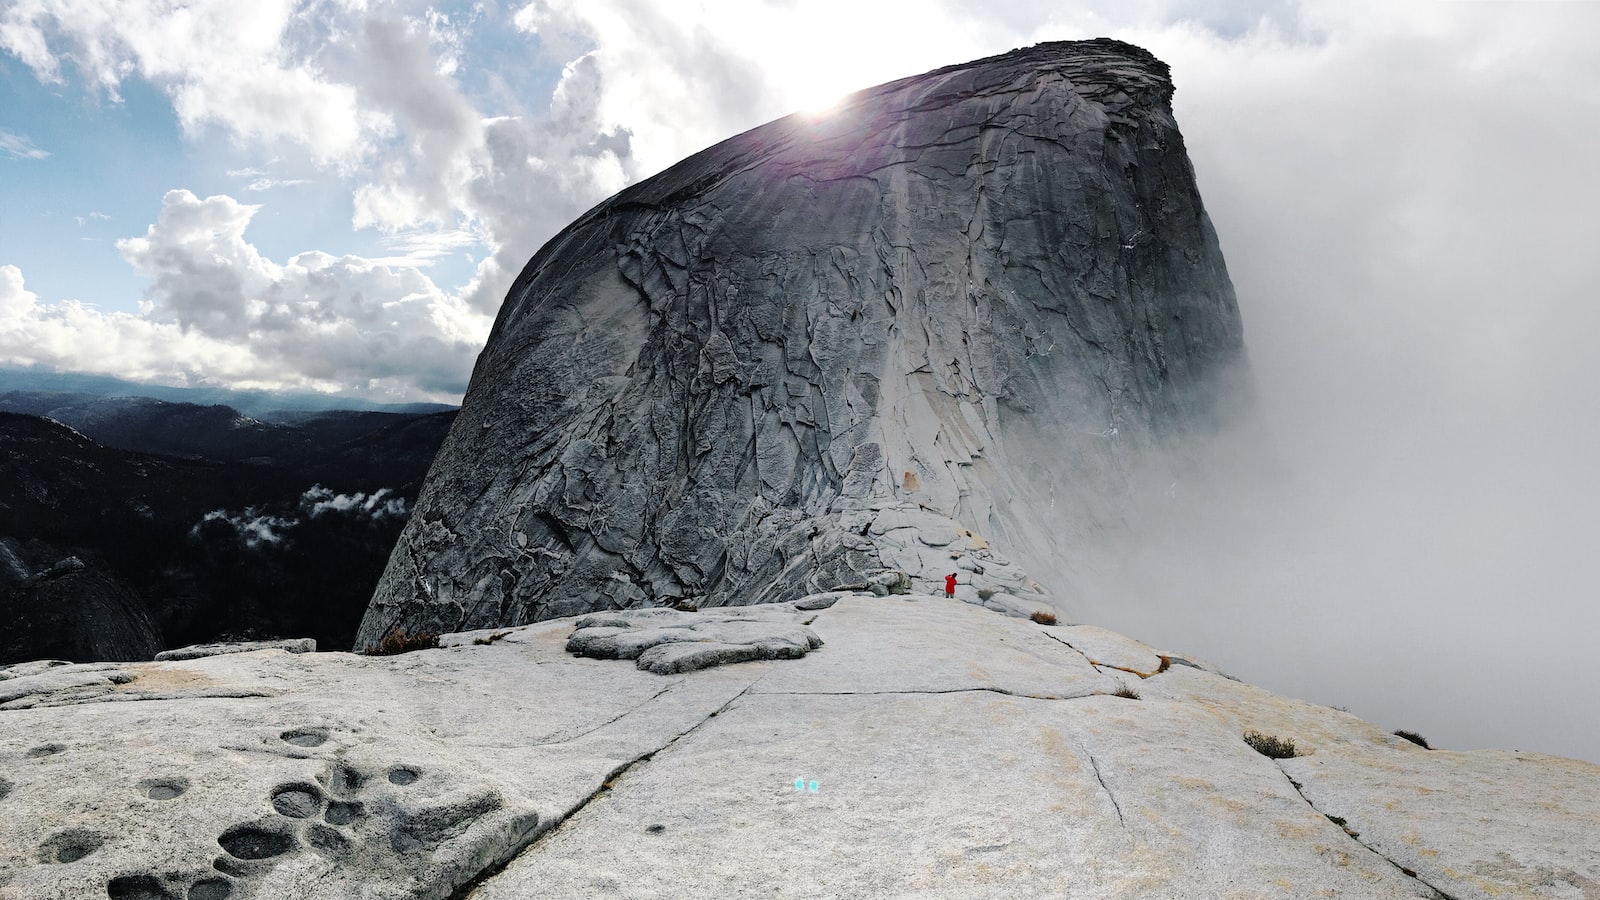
<point x="335" y="194"/>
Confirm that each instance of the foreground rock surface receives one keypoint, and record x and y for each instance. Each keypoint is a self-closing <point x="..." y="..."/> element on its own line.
<point x="928" y="332"/>
<point x="939" y="750"/>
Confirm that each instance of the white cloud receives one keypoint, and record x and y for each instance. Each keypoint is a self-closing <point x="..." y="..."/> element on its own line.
<point x="257" y="528"/>
<point x="15" y="298"/>
<point x="19" y="146"/>
<point x="266" y="184"/>
<point x="220" y="62"/>
<point x="381" y="504"/>
<point x="254" y="528"/>
<point x="509" y="181"/>
<point x="678" y="83"/>
<point x="217" y="310"/>
<point x="421" y="249"/>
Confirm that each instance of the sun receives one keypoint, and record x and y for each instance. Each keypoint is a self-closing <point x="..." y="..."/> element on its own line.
<point x="820" y="96"/>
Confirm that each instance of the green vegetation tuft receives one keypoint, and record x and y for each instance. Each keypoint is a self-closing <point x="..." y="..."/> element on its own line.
<point x="1271" y="746"/>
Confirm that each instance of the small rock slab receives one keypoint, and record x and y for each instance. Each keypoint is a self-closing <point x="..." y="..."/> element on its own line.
<point x="669" y="642"/>
<point x="824" y="600"/>
<point x="196" y="651"/>
<point x="91" y="678"/>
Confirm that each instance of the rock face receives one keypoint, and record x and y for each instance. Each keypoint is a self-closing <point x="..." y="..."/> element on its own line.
<point x="923" y="747"/>
<point x="928" y="331"/>
<point x="75" y="611"/>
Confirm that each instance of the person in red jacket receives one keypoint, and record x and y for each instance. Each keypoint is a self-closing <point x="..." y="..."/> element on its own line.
<point x="950" y="585"/>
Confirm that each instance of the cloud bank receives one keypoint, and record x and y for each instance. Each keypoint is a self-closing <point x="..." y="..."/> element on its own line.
<point x="1405" y="203"/>
<point x="216" y="310"/>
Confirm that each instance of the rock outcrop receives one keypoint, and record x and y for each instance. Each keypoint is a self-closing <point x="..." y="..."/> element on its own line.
<point x="923" y="747"/>
<point x="75" y="610"/>
<point x="929" y="331"/>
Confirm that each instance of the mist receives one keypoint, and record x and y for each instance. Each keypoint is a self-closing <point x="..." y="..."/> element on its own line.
<point x="1405" y="527"/>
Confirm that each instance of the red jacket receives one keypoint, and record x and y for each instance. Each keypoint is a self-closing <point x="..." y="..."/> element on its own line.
<point x="949" y="584"/>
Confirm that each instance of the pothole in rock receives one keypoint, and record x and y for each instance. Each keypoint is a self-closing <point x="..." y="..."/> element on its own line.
<point x="305" y="737"/>
<point x="340" y="812"/>
<point x="403" y="776"/>
<point x="211" y="889"/>
<point x="329" y="842"/>
<point x="163" y="788"/>
<point x="297" y="800"/>
<point x="256" y="842"/>
<point x="138" y="887"/>
<point x="70" y="846"/>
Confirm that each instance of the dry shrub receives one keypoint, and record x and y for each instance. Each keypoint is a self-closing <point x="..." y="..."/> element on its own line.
<point x="1414" y="738"/>
<point x="1043" y="618"/>
<point x="1126" y="693"/>
<point x="400" y="641"/>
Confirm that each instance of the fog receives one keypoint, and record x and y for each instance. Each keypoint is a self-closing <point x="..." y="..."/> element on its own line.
<point x="1406" y="528"/>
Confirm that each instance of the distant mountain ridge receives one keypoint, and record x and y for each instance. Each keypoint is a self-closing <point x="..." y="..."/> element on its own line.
<point x="216" y="431"/>
<point x="263" y="405"/>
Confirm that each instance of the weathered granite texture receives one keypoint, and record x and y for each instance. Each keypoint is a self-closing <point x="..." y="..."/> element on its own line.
<point x="970" y="297"/>
<point x="668" y="642"/>
<point x="954" y="752"/>
<point x="196" y="651"/>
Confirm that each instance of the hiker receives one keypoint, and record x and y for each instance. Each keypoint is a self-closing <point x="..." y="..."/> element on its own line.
<point x="950" y="585"/>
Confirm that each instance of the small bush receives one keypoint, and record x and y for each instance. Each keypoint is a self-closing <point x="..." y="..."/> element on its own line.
<point x="1043" y="618"/>
<point x="488" y="639"/>
<point x="1414" y="738"/>
<point x="985" y="593"/>
<point x="1126" y="693"/>
<point x="1271" y="746"/>
<point x="399" y="641"/>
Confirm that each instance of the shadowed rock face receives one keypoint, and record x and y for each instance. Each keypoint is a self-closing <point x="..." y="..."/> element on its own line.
<point x="928" y="331"/>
